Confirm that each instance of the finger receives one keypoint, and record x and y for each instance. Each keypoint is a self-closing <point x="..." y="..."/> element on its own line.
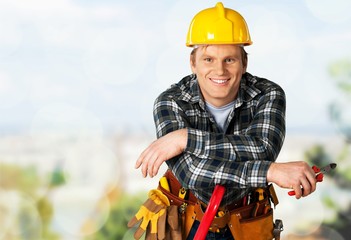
<point x="149" y="168"/>
<point x="155" y="163"/>
<point x="145" y="164"/>
<point x="141" y="158"/>
<point x="306" y="187"/>
<point x="138" y="162"/>
<point x="148" y="164"/>
<point x="151" y="165"/>
<point x="157" y="166"/>
<point x="144" y="168"/>
<point x="313" y="181"/>
<point x="298" y="191"/>
<point x="309" y="183"/>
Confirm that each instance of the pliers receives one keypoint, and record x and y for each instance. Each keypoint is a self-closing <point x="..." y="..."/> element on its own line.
<point x="319" y="174"/>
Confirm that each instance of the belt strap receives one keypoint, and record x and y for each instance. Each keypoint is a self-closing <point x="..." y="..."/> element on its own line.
<point x="273" y="195"/>
<point x="188" y="220"/>
<point x="217" y="223"/>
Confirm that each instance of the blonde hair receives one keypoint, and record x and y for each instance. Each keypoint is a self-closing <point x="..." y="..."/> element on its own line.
<point x="244" y="54"/>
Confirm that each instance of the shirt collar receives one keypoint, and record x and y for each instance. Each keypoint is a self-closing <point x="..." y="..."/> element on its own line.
<point x="248" y="89"/>
<point x="196" y="94"/>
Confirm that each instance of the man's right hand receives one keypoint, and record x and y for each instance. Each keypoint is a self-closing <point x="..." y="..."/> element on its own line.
<point x="293" y="175"/>
<point x="161" y="150"/>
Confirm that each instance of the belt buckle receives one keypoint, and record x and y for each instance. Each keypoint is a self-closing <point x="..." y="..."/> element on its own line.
<point x="182" y="208"/>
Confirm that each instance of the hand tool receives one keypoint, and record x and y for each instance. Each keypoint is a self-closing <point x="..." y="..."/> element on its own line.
<point x="278" y="228"/>
<point x="266" y="209"/>
<point x="260" y="192"/>
<point x="164" y="183"/>
<point x="254" y="210"/>
<point x="182" y="193"/>
<point x="245" y="200"/>
<point x="319" y="174"/>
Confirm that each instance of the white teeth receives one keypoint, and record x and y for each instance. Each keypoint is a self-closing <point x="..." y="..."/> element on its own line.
<point x="219" y="81"/>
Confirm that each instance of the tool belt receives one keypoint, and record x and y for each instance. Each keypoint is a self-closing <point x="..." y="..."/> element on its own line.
<point x="246" y="222"/>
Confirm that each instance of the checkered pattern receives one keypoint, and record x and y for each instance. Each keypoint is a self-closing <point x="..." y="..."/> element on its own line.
<point x="240" y="157"/>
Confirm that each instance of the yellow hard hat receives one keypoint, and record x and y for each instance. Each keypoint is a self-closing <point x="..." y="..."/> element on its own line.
<point x="218" y="25"/>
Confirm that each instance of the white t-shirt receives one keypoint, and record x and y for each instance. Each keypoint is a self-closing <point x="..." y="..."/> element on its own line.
<point x="220" y="114"/>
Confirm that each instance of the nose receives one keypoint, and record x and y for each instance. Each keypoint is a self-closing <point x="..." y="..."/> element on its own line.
<point x="220" y="68"/>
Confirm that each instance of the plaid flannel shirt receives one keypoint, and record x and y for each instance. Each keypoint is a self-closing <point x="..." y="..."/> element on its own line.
<point x="238" y="158"/>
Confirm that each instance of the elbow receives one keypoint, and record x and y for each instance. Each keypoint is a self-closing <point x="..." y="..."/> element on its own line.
<point x="270" y="151"/>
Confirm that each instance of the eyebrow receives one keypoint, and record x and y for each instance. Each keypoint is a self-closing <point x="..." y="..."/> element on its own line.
<point x="236" y="56"/>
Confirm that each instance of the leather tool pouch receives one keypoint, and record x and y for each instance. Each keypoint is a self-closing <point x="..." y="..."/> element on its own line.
<point x="179" y="214"/>
<point x="255" y="221"/>
<point x="244" y="226"/>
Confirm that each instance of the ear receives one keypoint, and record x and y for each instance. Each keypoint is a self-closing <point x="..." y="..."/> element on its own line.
<point x="245" y="67"/>
<point x="192" y="64"/>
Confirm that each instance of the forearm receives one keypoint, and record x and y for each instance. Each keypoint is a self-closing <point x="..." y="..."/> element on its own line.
<point x="232" y="147"/>
<point x="229" y="147"/>
<point x="204" y="173"/>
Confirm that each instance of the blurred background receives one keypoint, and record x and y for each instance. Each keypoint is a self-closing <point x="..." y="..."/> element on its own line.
<point x="77" y="83"/>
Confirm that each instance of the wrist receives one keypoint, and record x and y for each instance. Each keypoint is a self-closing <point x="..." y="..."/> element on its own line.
<point x="183" y="138"/>
<point x="270" y="172"/>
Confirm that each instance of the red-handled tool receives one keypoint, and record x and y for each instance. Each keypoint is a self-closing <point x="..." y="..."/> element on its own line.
<point x="210" y="212"/>
<point x="319" y="174"/>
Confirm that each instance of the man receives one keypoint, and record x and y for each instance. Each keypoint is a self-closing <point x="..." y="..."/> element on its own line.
<point x="222" y="125"/>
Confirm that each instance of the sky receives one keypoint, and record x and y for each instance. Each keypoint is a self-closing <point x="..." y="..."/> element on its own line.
<point x="100" y="64"/>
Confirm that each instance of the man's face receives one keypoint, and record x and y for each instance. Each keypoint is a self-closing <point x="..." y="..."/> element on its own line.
<point x="219" y="69"/>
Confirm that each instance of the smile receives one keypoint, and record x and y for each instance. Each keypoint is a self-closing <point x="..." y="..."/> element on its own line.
<point x="219" y="81"/>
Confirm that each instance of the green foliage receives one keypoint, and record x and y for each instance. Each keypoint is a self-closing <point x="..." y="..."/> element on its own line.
<point x="339" y="111"/>
<point x="329" y="202"/>
<point x="23" y="179"/>
<point x="317" y="155"/>
<point x="26" y="179"/>
<point x="340" y="108"/>
<point x="340" y="71"/>
<point x="121" y="212"/>
<point x="57" y="178"/>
